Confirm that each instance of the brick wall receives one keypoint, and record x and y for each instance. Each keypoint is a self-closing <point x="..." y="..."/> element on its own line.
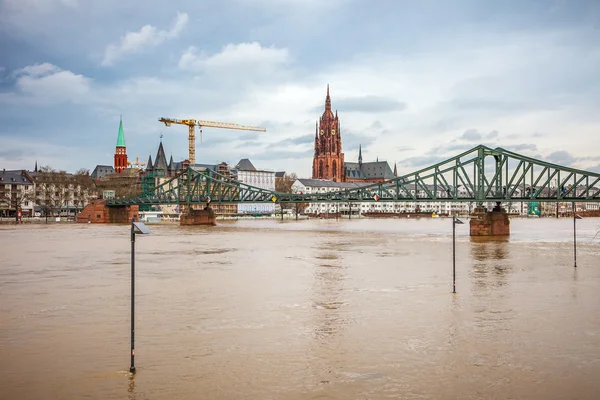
<point x="98" y="213"/>
<point x="198" y="217"/>
<point x="490" y="224"/>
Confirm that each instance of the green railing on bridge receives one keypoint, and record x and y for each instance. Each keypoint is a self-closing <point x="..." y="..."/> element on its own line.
<point x="479" y="175"/>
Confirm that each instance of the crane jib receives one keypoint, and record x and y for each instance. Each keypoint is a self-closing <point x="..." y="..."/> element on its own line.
<point x="192" y="123"/>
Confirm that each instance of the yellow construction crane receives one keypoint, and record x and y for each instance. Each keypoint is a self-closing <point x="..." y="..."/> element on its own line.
<point x="192" y="123"/>
<point x="137" y="164"/>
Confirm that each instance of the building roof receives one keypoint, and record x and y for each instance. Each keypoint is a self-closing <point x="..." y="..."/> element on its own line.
<point x="328" y="183"/>
<point x="149" y="163"/>
<point x="369" y="170"/>
<point x="245" y="165"/>
<point x="101" y="171"/>
<point x="18" y="176"/>
<point x="121" y="136"/>
<point x="160" y="162"/>
<point x="279" y="174"/>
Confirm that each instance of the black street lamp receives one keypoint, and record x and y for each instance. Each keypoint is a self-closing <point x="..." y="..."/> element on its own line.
<point x="575" y="218"/>
<point x="455" y="221"/>
<point x="136" y="227"/>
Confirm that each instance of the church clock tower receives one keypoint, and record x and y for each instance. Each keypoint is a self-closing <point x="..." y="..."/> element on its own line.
<point x="121" y="150"/>
<point x="328" y="161"/>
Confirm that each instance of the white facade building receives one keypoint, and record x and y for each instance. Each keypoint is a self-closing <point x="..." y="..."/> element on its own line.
<point x="17" y="191"/>
<point x="246" y="173"/>
<point x="358" y="208"/>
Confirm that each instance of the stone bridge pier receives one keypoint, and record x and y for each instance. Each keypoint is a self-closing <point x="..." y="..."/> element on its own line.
<point x="490" y="223"/>
<point x="98" y="213"/>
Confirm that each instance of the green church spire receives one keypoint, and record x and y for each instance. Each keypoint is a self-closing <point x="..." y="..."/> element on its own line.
<point x="121" y="137"/>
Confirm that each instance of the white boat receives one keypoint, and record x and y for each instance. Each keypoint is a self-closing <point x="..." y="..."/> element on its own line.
<point x="157" y="217"/>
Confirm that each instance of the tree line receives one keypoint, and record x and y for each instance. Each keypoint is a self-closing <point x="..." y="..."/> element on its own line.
<point x="284" y="185"/>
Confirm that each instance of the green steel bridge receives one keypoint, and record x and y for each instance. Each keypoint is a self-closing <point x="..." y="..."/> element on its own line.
<point x="479" y="175"/>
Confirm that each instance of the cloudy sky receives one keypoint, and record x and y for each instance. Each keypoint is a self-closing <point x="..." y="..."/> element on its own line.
<point x="413" y="81"/>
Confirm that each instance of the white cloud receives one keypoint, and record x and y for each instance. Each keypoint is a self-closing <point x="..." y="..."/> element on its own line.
<point x="37" y="70"/>
<point x="250" y="57"/>
<point x="147" y="36"/>
<point x="47" y="83"/>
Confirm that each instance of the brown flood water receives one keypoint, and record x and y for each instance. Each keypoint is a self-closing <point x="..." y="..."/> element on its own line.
<point x="357" y="309"/>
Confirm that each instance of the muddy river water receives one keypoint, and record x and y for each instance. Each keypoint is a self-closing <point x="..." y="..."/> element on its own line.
<point x="318" y="309"/>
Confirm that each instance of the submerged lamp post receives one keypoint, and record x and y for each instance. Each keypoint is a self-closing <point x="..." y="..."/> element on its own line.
<point x="455" y="221"/>
<point x="575" y="218"/>
<point x="136" y="227"/>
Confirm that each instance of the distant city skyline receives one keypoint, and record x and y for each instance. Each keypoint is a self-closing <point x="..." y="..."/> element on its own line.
<point x="413" y="82"/>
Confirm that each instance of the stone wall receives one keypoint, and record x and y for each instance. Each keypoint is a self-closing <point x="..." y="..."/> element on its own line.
<point x="199" y="217"/>
<point x="98" y="213"/>
<point x="494" y="223"/>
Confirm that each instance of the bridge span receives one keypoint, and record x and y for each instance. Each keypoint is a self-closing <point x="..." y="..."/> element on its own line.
<point x="479" y="175"/>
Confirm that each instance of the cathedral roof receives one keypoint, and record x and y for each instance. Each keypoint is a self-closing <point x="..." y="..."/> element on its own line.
<point x="328" y="183"/>
<point x="369" y="170"/>
<point x="121" y="136"/>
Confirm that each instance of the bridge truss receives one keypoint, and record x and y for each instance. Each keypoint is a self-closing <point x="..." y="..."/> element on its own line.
<point x="480" y="175"/>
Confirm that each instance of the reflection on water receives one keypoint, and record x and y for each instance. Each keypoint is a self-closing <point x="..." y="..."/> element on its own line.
<point x="491" y="262"/>
<point x="301" y="310"/>
<point x="327" y="289"/>
<point x="131" y="387"/>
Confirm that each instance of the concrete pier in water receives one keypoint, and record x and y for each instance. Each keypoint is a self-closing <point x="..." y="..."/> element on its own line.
<point x="490" y="223"/>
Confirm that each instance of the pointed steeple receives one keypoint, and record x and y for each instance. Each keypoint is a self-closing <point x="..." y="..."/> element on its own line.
<point x="171" y="163"/>
<point x="327" y="100"/>
<point x="377" y="158"/>
<point x="149" y="164"/>
<point x="160" y="163"/>
<point x="395" y="170"/>
<point x="121" y="136"/>
<point x="35" y="170"/>
<point x="359" y="154"/>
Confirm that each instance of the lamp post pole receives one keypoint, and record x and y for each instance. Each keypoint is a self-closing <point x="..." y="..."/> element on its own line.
<point x="575" y="218"/>
<point x="453" y="254"/>
<point x="454" y="222"/>
<point x="132" y="367"/>
<point x="143" y="229"/>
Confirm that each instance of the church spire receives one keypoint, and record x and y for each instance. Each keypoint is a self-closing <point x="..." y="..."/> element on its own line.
<point x="395" y="170"/>
<point x="328" y="100"/>
<point x="359" y="154"/>
<point x="149" y="164"/>
<point x="35" y="170"/>
<point x="120" y="152"/>
<point x="121" y="135"/>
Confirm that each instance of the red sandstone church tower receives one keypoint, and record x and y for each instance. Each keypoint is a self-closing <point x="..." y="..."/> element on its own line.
<point x="121" y="151"/>
<point x="328" y="161"/>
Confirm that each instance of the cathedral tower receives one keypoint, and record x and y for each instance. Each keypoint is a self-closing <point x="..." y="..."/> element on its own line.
<point x="121" y="150"/>
<point x="328" y="161"/>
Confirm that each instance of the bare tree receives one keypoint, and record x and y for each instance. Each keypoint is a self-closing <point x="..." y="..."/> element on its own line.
<point x="61" y="184"/>
<point x="123" y="184"/>
<point x="284" y="185"/>
<point x="83" y="188"/>
<point x="45" y="191"/>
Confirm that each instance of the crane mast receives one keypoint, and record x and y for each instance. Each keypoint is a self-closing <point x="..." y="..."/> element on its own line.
<point x="192" y="123"/>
